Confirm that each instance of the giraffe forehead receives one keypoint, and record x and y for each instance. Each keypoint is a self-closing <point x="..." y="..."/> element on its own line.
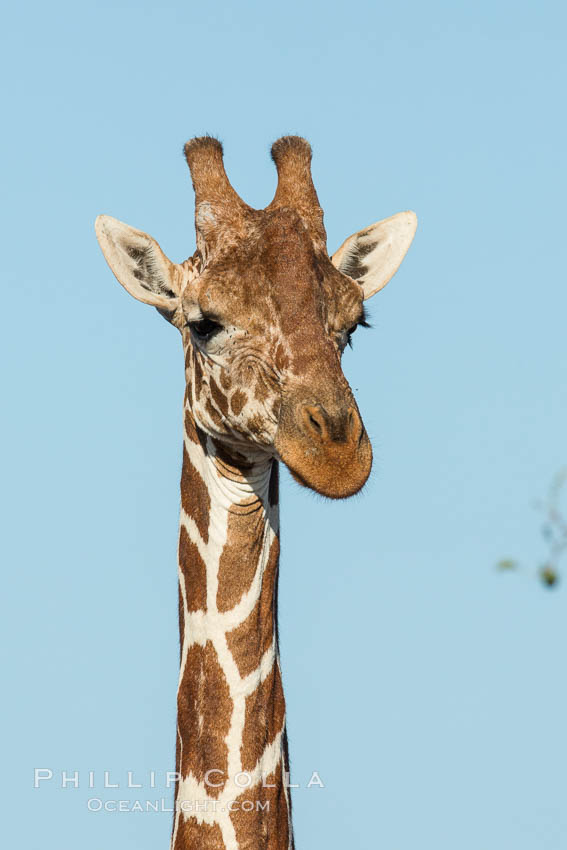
<point x="279" y="281"/>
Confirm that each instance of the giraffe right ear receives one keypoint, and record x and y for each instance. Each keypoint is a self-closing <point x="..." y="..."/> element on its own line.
<point x="138" y="263"/>
<point x="373" y="255"/>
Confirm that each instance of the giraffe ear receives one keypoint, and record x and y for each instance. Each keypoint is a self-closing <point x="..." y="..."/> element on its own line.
<point x="373" y="255"/>
<point x="138" y="263"/>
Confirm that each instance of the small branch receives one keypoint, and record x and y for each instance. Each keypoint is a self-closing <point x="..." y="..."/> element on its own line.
<point x="553" y="530"/>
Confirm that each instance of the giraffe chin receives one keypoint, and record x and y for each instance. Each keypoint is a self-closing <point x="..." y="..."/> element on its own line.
<point x="335" y="470"/>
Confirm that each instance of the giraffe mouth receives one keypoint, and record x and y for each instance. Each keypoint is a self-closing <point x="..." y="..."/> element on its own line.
<point x="336" y="470"/>
<point x="332" y="484"/>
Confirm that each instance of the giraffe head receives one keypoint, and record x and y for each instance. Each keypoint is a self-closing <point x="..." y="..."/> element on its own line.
<point x="265" y="314"/>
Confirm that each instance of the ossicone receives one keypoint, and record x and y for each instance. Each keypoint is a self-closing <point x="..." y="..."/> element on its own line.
<point x="217" y="206"/>
<point x="295" y="189"/>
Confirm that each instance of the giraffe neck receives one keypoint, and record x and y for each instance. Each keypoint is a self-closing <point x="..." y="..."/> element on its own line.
<point x="231" y="744"/>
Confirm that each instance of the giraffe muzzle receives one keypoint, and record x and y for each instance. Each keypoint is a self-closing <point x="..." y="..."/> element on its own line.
<point x="326" y="449"/>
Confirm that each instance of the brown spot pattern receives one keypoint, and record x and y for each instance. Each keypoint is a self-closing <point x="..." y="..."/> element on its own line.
<point x="265" y="714"/>
<point x="195" y="573"/>
<point x="198" y="374"/>
<point x="241" y="554"/>
<point x="204" y="710"/>
<point x="256" y="424"/>
<point x="266" y="829"/>
<point x="213" y="413"/>
<point x="261" y="389"/>
<point x="195" y="498"/>
<point x="252" y="638"/>
<point x="219" y="397"/>
<point x="188" y="357"/>
<point x="192" y="835"/>
<point x="191" y="428"/>
<point x="237" y="402"/>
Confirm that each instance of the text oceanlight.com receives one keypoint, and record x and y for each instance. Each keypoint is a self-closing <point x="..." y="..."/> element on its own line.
<point x="95" y="804"/>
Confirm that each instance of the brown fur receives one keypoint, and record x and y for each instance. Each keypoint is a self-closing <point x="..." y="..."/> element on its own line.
<point x="263" y="830"/>
<point x="237" y="401"/>
<point x="292" y="157"/>
<point x="190" y="428"/>
<point x="219" y="397"/>
<point x="195" y="497"/>
<point x="239" y="560"/>
<point x="192" y="835"/>
<point x="204" y="708"/>
<point x="194" y="571"/>
<point x="248" y="642"/>
<point x="265" y="713"/>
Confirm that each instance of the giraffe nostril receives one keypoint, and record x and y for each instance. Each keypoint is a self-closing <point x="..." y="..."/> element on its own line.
<point x="355" y="429"/>
<point x="314" y="422"/>
<point x="316" y="425"/>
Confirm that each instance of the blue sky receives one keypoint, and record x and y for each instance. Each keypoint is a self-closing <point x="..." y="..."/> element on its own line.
<point x="427" y="689"/>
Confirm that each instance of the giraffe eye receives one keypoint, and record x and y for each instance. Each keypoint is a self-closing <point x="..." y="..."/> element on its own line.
<point x="205" y="328"/>
<point x="347" y="335"/>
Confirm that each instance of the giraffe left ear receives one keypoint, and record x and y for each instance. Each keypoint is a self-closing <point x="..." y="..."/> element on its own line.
<point x="138" y="263"/>
<point x="373" y="255"/>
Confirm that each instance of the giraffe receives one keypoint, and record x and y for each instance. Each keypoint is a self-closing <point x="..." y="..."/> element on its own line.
<point x="264" y="315"/>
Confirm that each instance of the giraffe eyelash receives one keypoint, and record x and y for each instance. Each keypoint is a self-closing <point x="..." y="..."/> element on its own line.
<point x="362" y="323"/>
